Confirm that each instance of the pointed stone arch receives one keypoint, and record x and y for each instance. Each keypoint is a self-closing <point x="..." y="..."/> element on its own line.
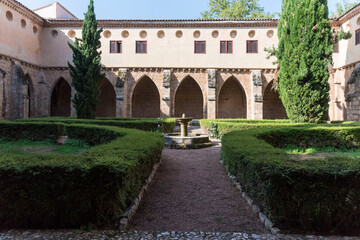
<point x="273" y="108"/>
<point x="145" y="99"/>
<point x="232" y="100"/>
<point x="107" y="100"/>
<point x="60" y="105"/>
<point x="29" y="97"/>
<point x="189" y="99"/>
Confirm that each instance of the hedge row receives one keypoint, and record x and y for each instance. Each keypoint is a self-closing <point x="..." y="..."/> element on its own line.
<point x="219" y="127"/>
<point x="92" y="189"/>
<point x="315" y="195"/>
<point x="167" y="125"/>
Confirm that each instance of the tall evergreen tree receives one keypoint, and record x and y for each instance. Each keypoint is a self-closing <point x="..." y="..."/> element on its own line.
<point x="86" y="72"/>
<point x="305" y="49"/>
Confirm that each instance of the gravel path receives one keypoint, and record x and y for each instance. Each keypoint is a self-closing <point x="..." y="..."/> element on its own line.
<point x="192" y="192"/>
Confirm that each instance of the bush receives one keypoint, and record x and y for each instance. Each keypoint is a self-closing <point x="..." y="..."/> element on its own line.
<point x="93" y="189"/>
<point x="217" y="128"/>
<point x="321" y="195"/>
<point x="141" y="124"/>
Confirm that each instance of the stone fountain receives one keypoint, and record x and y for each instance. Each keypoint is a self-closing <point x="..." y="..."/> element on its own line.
<point x="183" y="140"/>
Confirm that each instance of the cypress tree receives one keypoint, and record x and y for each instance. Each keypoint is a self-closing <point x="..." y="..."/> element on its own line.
<point x="305" y="49"/>
<point x="86" y="72"/>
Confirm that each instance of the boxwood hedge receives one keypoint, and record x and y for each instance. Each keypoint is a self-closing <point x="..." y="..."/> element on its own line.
<point x="315" y="195"/>
<point x="92" y="189"/>
<point x="167" y="125"/>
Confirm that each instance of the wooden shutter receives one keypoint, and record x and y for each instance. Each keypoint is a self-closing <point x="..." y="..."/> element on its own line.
<point x="222" y="46"/>
<point x="357" y="37"/>
<point x="252" y="47"/>
<point x="229" y="47"/>
<point x="200" y="47"/>
<point x="118" y="46"/>
<point x="112" y="47"/>
<point x="141" y="47"/>
<point x="203" y="47"/>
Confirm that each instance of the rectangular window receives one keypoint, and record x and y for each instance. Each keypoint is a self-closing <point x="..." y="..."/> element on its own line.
<point x="200" y="47"/>
<point x="226" y="47"/>
<point x="141" y="47"/>
<point x="336" y="47"/>
<point x="115" y="46"/>
<point x="357" y="37"/>
<point x="252" y="46"/>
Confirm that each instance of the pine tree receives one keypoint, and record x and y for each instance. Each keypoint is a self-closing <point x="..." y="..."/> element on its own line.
<point x="86" y="72"/>
<point x="305" y="49"/>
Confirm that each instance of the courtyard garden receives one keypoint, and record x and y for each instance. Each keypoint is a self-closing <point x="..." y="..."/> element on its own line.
<point x="303" y="177"/>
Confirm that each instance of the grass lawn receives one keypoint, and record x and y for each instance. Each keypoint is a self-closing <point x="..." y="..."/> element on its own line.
<point x="321" y="152"/>
<point x="71" y="146"/>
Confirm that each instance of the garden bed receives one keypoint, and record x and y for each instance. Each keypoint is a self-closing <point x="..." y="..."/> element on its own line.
<point x="93" y="189"/>
<point x="319" y="195"/>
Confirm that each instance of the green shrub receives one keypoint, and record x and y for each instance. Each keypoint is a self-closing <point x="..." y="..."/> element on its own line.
<point x="141" y="124"/>
<point x="314" y="195"/>
<point x="168" y="125"/>
<point x="92" y="189"/>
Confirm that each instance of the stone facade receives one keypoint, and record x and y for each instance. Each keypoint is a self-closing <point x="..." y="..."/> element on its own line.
<point x="166" y="81"/>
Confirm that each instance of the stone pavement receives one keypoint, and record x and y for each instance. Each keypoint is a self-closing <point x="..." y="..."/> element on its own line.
<point x="147" y="235"/>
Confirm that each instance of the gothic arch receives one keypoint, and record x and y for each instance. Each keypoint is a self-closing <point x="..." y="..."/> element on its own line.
<point x="272" y="105"/>
<point x="107" y="100"/>
<point x="232" y="100"/>
<point x="29" y="97"/>
<point x="145" y="99"/>
<point x="60" y="105"/>
<point x="189" y="99"/>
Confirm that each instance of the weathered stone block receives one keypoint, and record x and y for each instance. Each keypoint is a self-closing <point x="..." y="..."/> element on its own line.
<point x="166" y="78"/>
<point x="212" y="78"/>
<point x="256" y="77"/>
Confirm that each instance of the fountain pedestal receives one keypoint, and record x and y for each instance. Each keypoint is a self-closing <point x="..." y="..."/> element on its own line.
<point x="184" y="125"/>
<point x="185" y="141"/>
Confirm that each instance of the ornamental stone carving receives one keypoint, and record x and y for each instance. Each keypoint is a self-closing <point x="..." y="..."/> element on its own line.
<point x="212" y="78"/>
<point x="166" y="78"/>
<point x="122" y="76"/>
<point x="256" y="78"/>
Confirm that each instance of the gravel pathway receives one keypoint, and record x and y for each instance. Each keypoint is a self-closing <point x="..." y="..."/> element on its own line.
<point x="192" y="192"/>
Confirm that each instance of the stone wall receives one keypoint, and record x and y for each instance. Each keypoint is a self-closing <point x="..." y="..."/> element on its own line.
<point x="26" y="91"/>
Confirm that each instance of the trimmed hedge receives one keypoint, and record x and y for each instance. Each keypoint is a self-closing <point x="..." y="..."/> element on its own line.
<point x="92" y="189"/>
<point x="321" y="195"/>
<point x="223" y="126"/>
<point x="141" y="124"/>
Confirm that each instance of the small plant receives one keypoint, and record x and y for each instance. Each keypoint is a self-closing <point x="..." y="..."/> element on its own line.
<point x="214" y="131"/>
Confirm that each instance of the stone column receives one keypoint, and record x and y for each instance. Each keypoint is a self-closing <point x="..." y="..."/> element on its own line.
<point x="2" y="77"/>
<point x="165" y="100"/>
<point x="256" y="95"/>
<point x="72" y="107"/>
<point x="119" y="90"/>
<point x="211" y="106"/>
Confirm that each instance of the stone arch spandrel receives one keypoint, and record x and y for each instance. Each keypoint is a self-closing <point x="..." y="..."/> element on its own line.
<point x="145" y="99"/>
<point x="232" y="99"/>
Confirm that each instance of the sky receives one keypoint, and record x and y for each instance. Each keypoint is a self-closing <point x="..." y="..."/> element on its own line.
<point x="147" y="9"/>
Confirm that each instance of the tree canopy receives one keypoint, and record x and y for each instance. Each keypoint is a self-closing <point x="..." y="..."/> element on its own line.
<point x="342" y="7"/>
<point x="86" y="72"/>
<point x="235" y="9"/>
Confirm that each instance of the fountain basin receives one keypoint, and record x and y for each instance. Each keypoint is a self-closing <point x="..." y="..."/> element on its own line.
<point x="192" y="141"/>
